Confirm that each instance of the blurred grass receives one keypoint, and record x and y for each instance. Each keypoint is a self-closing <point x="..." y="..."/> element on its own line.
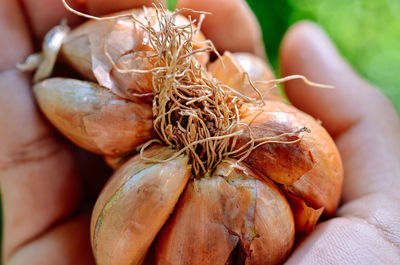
<point x="171" y="4"/>
<point x="366" y="32"/>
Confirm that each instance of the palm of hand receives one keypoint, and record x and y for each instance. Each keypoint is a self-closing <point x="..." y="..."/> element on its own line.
<point x="39" y="173"/>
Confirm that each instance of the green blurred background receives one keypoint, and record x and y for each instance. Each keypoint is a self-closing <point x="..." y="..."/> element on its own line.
<point x="366" y="32"/>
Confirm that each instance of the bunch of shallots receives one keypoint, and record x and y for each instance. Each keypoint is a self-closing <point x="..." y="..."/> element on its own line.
<point x="211" y="166"/>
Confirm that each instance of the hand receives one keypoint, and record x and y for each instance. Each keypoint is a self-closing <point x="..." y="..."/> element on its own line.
<point x="366" y="129"/>
<point x="41" y="182"/>
<point x="39" y="172"/>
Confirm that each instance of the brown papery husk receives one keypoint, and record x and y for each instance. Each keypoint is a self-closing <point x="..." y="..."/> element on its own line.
<point x="94" y="118"/>
<point x="284" y="157"/>
<point x="242" y="71"/>
<point x="305" y="217"/>
<point x="134" y="205"/>
<point x="98" y="47"/>
<point x="233" y="211"/>
<point x="115" y="162"/>
<point x="320" y="186"/>
<point x="255" y="66"/>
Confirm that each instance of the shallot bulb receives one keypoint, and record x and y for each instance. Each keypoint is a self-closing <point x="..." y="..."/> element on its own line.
<point x="211" y="165"/>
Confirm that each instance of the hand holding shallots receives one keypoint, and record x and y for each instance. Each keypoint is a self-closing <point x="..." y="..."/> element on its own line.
<point x="43" y="220"/>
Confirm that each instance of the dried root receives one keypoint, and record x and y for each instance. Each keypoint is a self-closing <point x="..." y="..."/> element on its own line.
<point x="193" y="112"/>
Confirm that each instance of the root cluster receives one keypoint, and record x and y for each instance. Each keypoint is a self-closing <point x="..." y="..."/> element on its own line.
<point x="193" y="112"/>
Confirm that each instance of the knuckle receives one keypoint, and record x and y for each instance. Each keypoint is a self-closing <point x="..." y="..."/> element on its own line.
<point x="37" y="149"/>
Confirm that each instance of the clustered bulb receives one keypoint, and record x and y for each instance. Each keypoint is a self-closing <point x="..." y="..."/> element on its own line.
<point x="211" y="165"/>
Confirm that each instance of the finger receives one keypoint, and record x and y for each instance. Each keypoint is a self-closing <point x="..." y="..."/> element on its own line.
<point x="103" y="7"/>
<point x="232" y="26"/>
<point x="306" y="50"/>
<point x="65" y="244"/>
<point x="345" y="241"/>
<point x="14" y="35"/>
<point x="42" y="15"/>
<point x="38" y="180"/>
<point x="364" y="122"/>
<point x="37" y="172"/>
<point x="43" y="19"/>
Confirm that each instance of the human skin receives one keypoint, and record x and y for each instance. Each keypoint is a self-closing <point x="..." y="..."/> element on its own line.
<point x="41" y="181"/>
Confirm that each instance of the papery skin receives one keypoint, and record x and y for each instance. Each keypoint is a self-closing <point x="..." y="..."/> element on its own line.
<point x="305" y="217"/>
<point x="116" y="162"/>
<point x="84" y="49"/>
<point x="231" y="70"/>
<point x="320" y="186"/>
<point x="217" y="214"/>
<point x="254" y="66"/>
<point x="282" y="162"/>
<point x="134" y="205"/>
<point x="94" y="118"/>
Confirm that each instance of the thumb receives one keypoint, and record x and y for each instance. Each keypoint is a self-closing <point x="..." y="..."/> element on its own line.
<point x="363" y="121"/>
<point x="366" y="128"/>
<point x="306" y="50"/>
